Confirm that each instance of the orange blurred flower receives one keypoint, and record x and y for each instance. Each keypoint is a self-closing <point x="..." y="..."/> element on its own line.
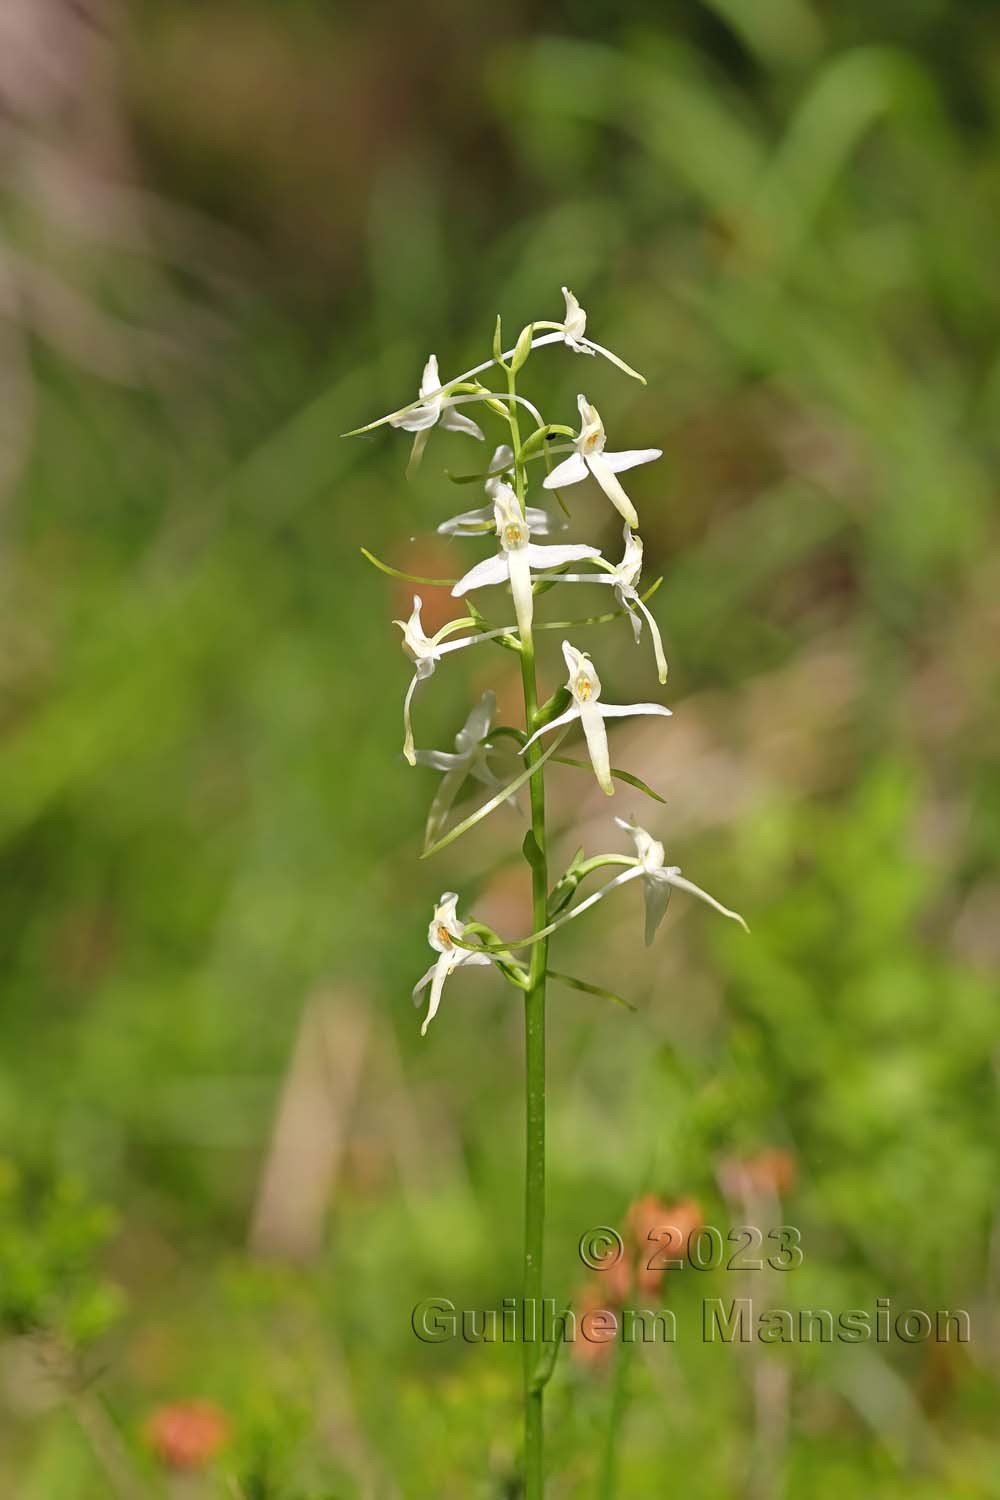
<point x="590" y="1347"/>
<point x="660" y="1233"/>
<point x="655" y="1232"/>
<point x="771" y="1172"/>
<point x="187" y="1434"/>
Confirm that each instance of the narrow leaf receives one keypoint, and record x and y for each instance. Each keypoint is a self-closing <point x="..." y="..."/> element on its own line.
<point x="546" y="1365"/>
<point x="384" y="567"/>
<point x="530" y="850"/>
<point x="590" y="989"/>
<point x="626" y="776"/>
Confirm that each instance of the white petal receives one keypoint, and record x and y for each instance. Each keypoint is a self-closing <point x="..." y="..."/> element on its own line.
<point x="575" y="320"/>
<point x="491" y="570"/>
<point x="442" y="969"/>
<point x="597" y="745"/>
<point x="573" y="658"/>
<point x="477" y="725"/>
<point x="407" y="721"/>
<point x="469" y="522"/>
<point x="422" y="984"/>
<point x="439" y="760"/>
<point x="519" y="568"/>
<point x="593" y="348"/>
<point x="451" y="785"/>
<point x="473" y="960"/>
<point x="555" y="557"/>
<point x="566" y="718"/>
<point x="654" y="630"/>
<point x="540" y="522"/>
<point x="418" y="418"/>
<point x="635" y="620"/>
<point x="649" y="851"/>
<point x="609" y="484"/>
<point x="696" y="890"/>
<point x="656" y="893"/>
<point x="430" y="380"/>
<point x="570" y="471"/>
<point x="480" y="771"/>
<point x="454" y="421"/>
<point x="625" y="710"/>
<point x="417" y="452"/>
<point x="630" y="458"/>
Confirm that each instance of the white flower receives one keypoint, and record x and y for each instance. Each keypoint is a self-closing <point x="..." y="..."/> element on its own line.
<point x="585" y="687"/>
<point x="658" y="879"/>
<point x="434" y="408"/>
<point x="624" y="577"/>
<point x="469" y="759"/>
<point x="425" y="651"/>
<point x="516" y="558"/>
<point x="591" y="458"/>
<point x="441" y="934"/>
<point x="574" y="331"/>
<point x="476" y="522"/>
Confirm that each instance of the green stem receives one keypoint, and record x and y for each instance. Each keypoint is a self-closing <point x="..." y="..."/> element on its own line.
<point x="608" y="1481"/>
<point x="534" y="1050"/>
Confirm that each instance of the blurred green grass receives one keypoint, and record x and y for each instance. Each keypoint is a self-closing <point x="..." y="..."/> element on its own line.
<point x="785" y="216"/>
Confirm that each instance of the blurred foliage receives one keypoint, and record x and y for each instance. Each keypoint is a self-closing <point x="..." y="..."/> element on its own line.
<point x="237" y="236"/>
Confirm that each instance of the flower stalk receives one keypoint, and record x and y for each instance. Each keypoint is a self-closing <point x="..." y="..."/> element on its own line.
<point x="536" y="854"/>
<point x="527" y="570"/>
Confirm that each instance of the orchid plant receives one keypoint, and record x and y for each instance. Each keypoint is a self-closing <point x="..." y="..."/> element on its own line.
<point x="526" y="568"/>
